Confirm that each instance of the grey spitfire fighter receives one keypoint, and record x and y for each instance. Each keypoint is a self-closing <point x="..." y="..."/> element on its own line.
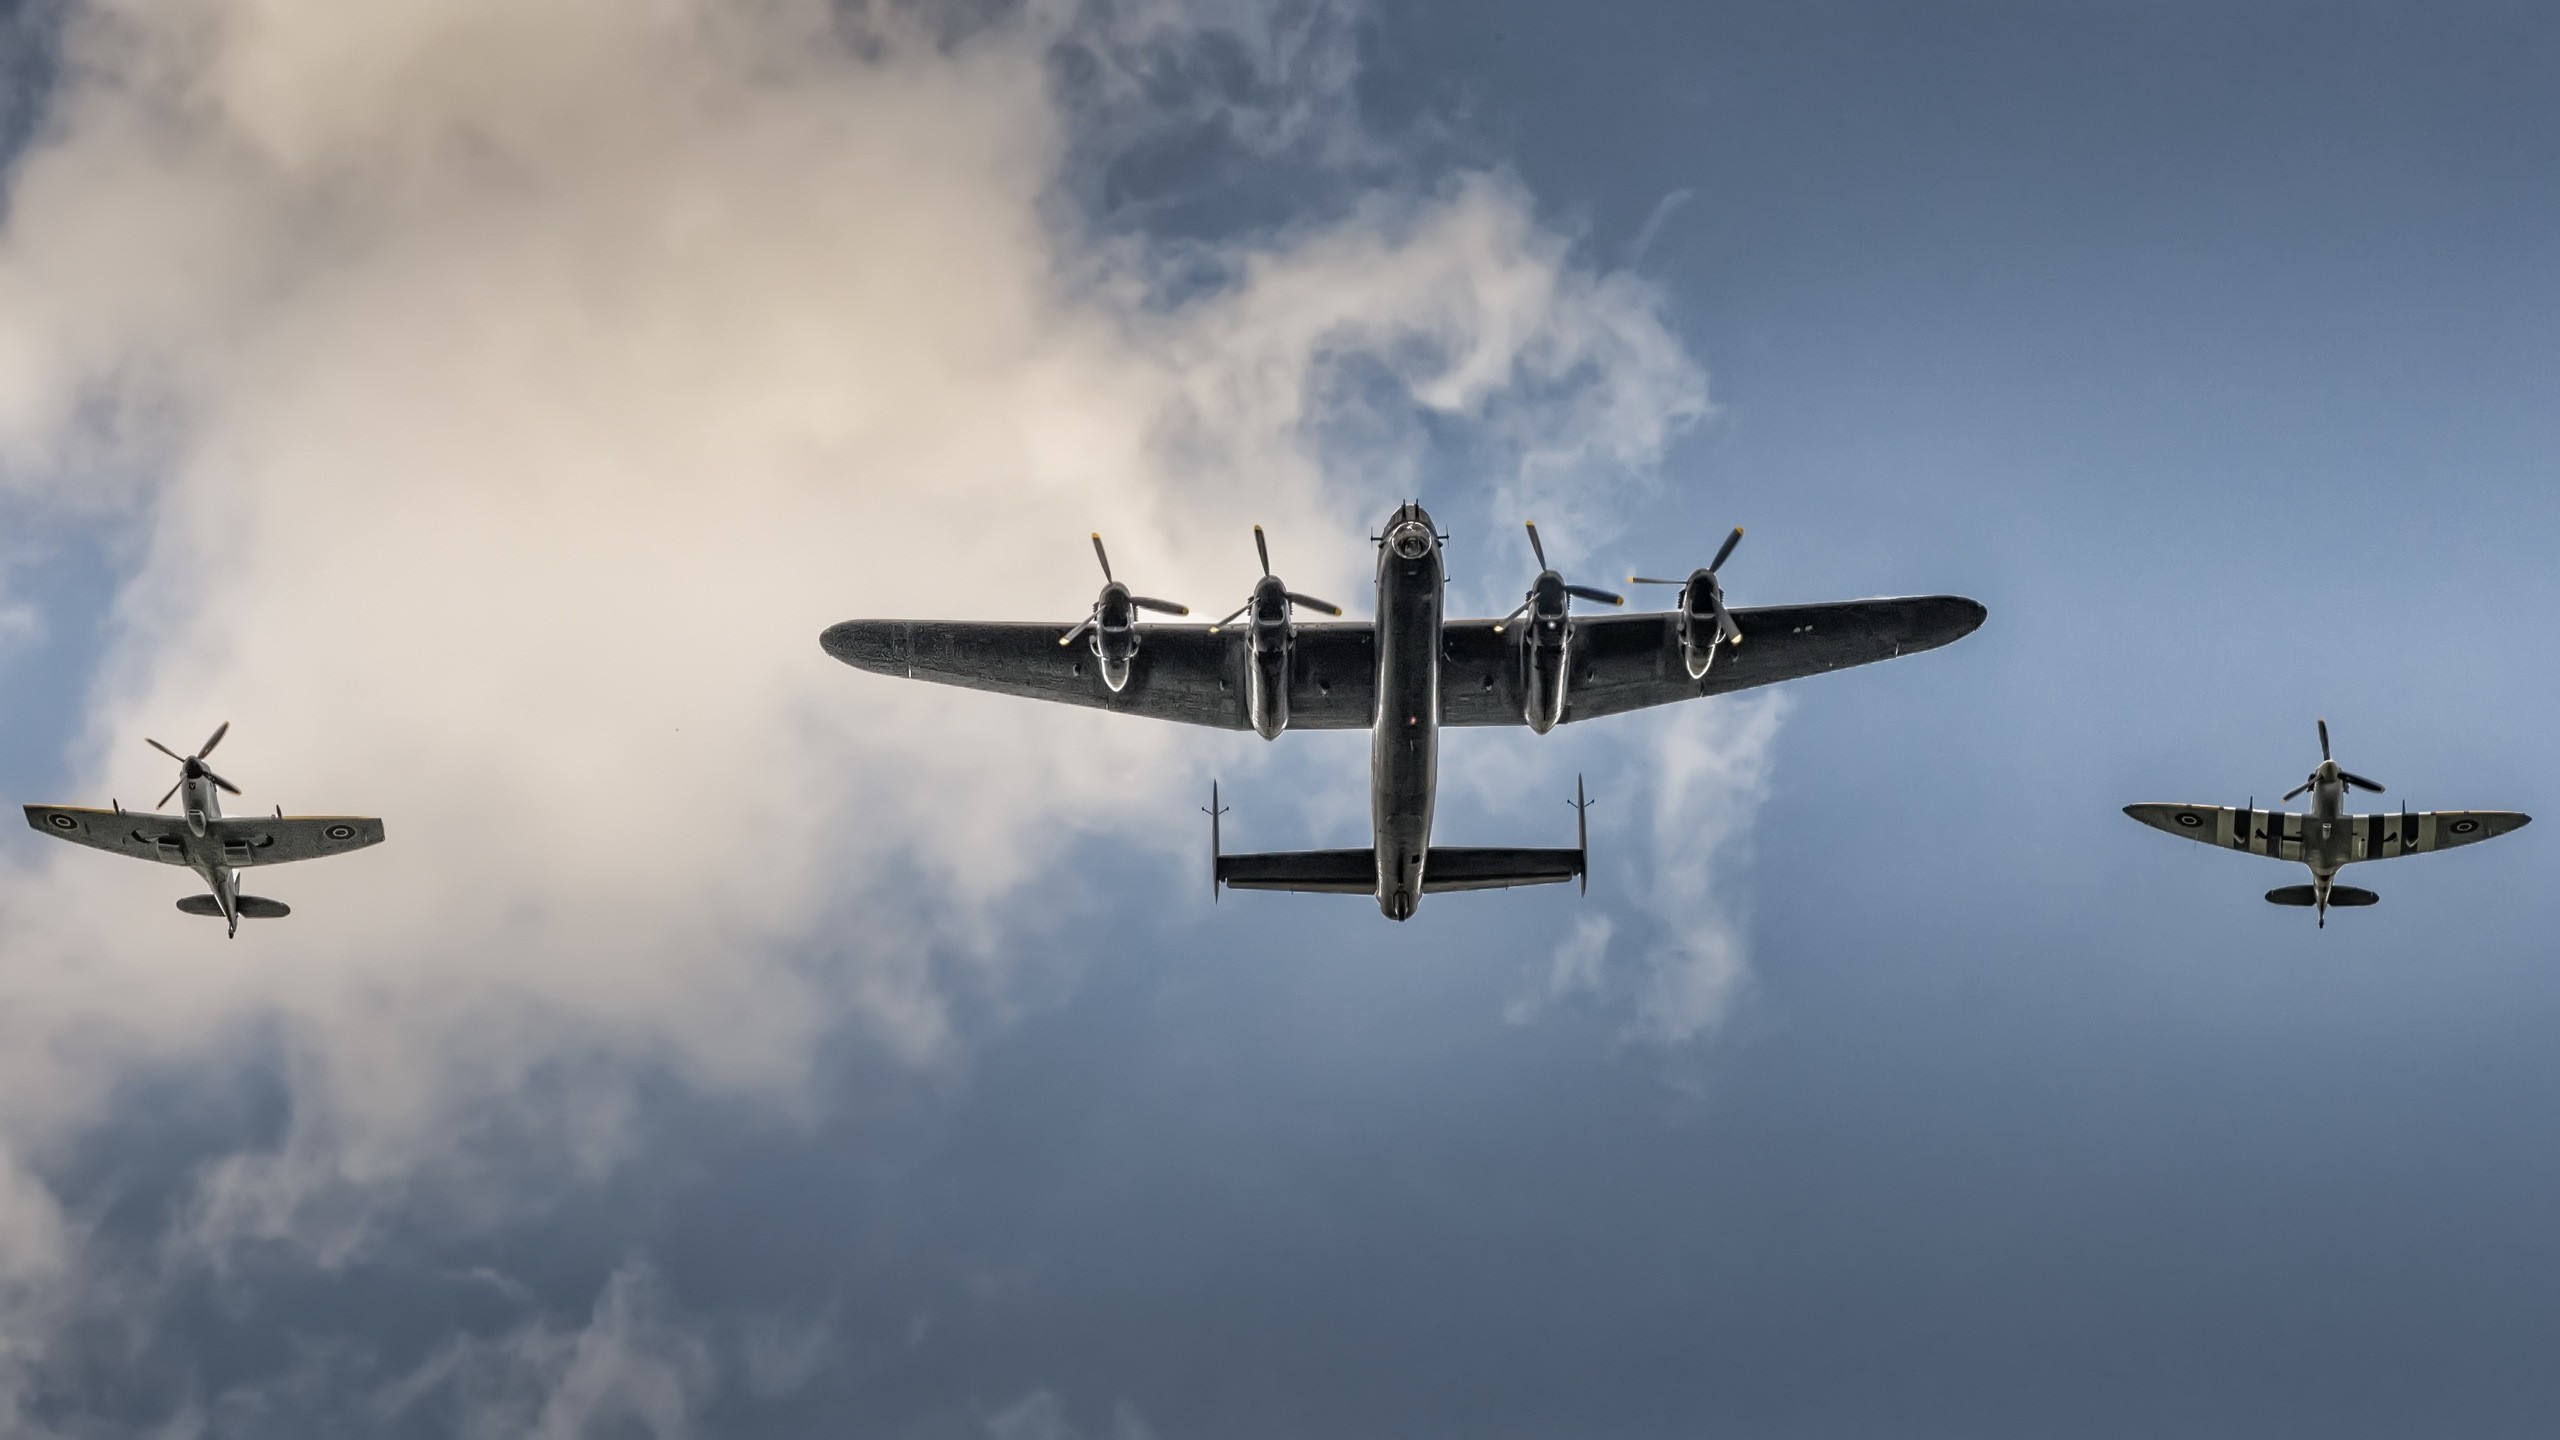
<point x="206" y="841"/>
<point x="2328" y="839"/>
<point x="1400" y="677"/>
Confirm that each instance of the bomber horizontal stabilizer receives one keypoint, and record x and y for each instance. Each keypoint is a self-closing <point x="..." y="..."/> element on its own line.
<point x="1355" y="872"/>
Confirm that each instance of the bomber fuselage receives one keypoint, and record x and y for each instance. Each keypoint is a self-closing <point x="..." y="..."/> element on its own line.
<point x="1404" y="743"/>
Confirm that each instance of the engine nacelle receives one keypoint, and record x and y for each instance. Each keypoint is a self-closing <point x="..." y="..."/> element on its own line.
<point x="1700" y="636"/>
<point x="1546" y="638"/>
<point x="1115" y="635"/>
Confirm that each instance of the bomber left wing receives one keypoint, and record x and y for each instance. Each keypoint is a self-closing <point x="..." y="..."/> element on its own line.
<point x="1191" y="673"/>
<point x="1630" y="662"/>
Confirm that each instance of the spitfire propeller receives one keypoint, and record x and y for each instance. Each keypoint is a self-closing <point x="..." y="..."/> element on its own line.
<point x="1702" y="603"/>
<point x="2329" y="767"/>
<point x="192" y="766"/>
<point x="1270" y="600"/>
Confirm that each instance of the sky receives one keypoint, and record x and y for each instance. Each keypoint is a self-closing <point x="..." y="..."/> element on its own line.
<point x="483" y="407"/>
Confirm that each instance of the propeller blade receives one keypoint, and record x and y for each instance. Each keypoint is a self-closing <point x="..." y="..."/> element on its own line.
<point x="1600" y="596"/>
<point x="1262" y="549"/>
<point x="1644" y="580"/>
<point x="1102" y="555"/>
<point x="1071" y="636"/>
<point x="1537" y="549"/>
<point x="2296" y="790"/>
<point x="225" y="784"/>
<point x="1726" y="629"/>
<point x="1507" y="619"/>
<point x="2324" y="739"/>
<point x="165" y="750"/>
<point x="165" y="798"/>
<point x="1161" y="607"/>
<point x="1231" y="616"/>
<point x="2359" y="781"/>
<point x="218" y="732"/>
<point x="1727" y="552"/>
<point x="1313" y="603"/>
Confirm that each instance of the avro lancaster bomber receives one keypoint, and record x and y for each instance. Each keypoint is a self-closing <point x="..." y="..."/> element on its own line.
<point x="1402" y="677"/>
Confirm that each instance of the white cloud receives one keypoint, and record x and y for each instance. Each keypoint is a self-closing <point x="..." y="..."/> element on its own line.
<point x="1709" y="768"/>
<point x="517" y="390"/>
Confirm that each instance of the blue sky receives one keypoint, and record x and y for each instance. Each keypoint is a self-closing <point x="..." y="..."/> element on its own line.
<point x="2206" y="345"/>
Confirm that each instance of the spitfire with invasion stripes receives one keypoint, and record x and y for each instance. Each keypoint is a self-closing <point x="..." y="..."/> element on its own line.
<point x="2327" y="839"/>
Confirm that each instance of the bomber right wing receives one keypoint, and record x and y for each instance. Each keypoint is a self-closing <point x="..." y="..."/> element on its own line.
<point x="2278" y="833"/>
<point x="122" y="832"/>
<point x="1630" y="662"/>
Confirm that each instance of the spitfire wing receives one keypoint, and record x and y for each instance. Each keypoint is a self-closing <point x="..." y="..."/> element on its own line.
<point x="2259" y="832"/>
<point x="1188" y="673"/>
<point x="1630" y="662"/>
<point x="2376" y="837"/>
<point x="2387" y="837"/>
<point x="145" y="837"/>
<point x="273" y="840"/>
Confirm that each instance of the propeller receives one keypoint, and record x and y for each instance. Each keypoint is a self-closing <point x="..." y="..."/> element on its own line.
<point x="1110" y="584"/>
<point x="1262" y="548"/>
<point x="193" y="765"/>
<point x="1547" y="573"/>
<point x="1725" y="628"/>
<point x="2351" y="779"/>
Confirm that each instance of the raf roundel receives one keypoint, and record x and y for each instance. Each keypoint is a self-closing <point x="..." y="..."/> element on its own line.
<point x="341" y="832"/>
<point x="62" y="822"/>
<point x="2465" y="827"/>
<point x="2190" y="819"/>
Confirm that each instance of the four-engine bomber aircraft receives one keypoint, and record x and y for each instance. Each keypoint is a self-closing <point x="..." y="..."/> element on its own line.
<point x="1402" y="677"/>
<point x="206" y="841"/>
<point x="2328" y="839"/>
